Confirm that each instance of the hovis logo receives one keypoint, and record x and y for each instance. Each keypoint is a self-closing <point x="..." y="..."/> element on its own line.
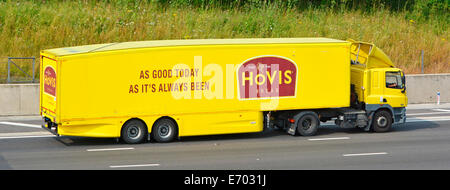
<point x="266" y="77"/>
<point x="50" y="81"/>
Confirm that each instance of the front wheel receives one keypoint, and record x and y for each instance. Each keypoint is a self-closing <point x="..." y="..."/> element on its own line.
<point x="382" y="121"/>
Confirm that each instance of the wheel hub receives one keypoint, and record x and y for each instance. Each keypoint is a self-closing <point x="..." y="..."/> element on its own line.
<point x="382" y="121"/>
<point x="306" y="124"/>
<point x="164" y="131"/>
<point x="133" y="132"/>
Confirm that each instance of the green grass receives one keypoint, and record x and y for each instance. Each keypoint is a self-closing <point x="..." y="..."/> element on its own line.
<point x="26" y="27"/>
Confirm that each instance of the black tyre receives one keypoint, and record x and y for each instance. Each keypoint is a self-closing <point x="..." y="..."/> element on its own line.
<point x="164" y="130"/>
<point x="382" y="121"/>
<point x="134" y="131"/>
<point x="307" y="124"/>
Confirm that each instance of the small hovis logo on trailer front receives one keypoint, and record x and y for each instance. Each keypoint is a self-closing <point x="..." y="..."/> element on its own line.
<point x="266" y="77"/>
<point x="50" y="81"/>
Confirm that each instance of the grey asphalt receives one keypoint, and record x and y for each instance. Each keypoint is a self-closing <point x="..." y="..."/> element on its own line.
<point x="423" y="143"/>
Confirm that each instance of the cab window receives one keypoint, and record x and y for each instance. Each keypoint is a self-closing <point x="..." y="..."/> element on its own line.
<point x="394" y="80"/>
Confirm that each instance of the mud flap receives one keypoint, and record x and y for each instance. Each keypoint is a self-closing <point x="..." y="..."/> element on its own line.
<point x="292" y="129"/>
<point x="367" y="128"/>
<point x="51" y="128"/>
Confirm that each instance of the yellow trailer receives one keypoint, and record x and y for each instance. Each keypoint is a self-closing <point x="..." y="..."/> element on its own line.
<point x="171" y="88"/>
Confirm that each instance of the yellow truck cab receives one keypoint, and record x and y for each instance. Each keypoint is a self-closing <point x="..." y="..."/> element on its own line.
<point x="379" y="88"/>
<point x="166" y="89"/>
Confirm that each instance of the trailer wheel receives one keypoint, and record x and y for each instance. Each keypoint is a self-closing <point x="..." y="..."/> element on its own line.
<point x="134" y="131"/>
<point x="308" y="123"/>
<point x="382" y="121"/>
<point x="164" y="130"/>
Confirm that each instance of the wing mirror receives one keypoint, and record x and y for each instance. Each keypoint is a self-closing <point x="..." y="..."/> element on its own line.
<point x="403" y="83"/>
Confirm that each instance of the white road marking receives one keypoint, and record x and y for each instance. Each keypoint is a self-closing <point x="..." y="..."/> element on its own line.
<point x="109" y="149"/>
<point x="20" y="124"/>
<point x="441" y="110"/>
<point x="327" y="139"/>
<point x="365" y="154"/>
<point x="433" y="113"/>
<point x="23" y="137"/>
<point x="422" y="119"/>
<point x="136" y="165"/>
<point x="16" y="134"/>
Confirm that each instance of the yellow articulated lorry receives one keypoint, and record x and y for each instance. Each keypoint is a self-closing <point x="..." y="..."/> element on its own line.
<point x="167" y="89"/>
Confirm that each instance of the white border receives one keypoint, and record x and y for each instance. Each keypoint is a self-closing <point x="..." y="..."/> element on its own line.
<point x="265" y="98"/>
<point x="44" y="80"/>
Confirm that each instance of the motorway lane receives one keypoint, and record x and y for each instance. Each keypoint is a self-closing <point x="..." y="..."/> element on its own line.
<point x="420" y="144"/>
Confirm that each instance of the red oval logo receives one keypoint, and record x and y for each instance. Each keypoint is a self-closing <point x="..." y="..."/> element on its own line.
<point x="267" y="77"/>
<point x="50" y="81"/>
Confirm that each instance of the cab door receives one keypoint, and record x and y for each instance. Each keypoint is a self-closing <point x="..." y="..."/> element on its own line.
<point x="394" y="88"/>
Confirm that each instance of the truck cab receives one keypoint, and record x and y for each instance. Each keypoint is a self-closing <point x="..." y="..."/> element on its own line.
<point x="377" y="86"/>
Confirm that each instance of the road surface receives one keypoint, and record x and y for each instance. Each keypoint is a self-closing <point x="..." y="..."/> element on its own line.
<point x="422" y="143"/>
